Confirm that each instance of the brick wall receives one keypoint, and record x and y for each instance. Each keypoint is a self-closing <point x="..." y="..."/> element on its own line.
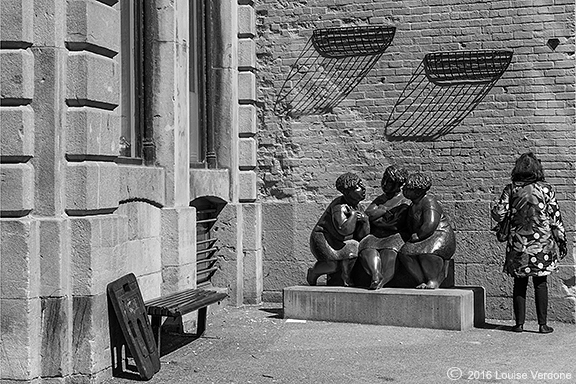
<point x="531" y="107"/>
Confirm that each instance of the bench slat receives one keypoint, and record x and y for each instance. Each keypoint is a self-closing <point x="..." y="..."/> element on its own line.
<point x="183" y="302"/>
<point x="176" y="300"/>
<point x="179" y="309"/>
<point x="189" y="294"/>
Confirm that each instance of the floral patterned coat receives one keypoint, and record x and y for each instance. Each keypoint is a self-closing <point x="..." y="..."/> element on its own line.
<point x="537" y="235"/>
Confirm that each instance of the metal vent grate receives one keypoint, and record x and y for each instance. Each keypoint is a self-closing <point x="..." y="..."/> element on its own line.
<point x="207" y="210"/>
<point x="206" y="258"/>
<point x="444" y="89"/>
<point x="333" y="62"/>
<point x="461" y="67"/>
<point x="352" y="41"/>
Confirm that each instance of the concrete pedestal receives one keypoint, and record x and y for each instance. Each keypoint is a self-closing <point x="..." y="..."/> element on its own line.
<point x="458" y="308"/>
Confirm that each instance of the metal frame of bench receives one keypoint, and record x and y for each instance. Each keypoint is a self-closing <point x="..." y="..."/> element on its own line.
<point x="180" y="303"/>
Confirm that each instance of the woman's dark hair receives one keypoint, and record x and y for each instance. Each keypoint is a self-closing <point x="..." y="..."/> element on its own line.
<point x="418" y="181"/>
<point x="347" y="181"/>
<point x="528" y="168"/>
<point x="396" y="175"/>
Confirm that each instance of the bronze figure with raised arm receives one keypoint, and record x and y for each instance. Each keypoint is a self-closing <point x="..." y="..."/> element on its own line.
<point x="387" y="215"/>
<point x="334" y="239"/>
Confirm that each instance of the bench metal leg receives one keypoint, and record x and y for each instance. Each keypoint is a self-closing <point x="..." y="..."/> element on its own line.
<point x="156" y="325"/>
<point x="201" y="323"/>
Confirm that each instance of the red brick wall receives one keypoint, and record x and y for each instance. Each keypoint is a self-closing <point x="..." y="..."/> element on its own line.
<point x="530" y="108"/>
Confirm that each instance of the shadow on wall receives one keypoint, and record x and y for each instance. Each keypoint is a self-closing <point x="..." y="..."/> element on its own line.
<point x="331" y="65"/>
<point x="443" y="90"/>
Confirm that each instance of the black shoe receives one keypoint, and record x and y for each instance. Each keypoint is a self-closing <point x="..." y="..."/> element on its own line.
<point x="545" y="329"/>
<point x="518" y="328"/>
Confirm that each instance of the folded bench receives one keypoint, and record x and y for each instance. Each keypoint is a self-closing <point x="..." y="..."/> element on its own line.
<point x="180" y="303"/>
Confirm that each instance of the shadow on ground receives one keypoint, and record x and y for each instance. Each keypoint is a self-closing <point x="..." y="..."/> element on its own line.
<point x="277" y="313"/>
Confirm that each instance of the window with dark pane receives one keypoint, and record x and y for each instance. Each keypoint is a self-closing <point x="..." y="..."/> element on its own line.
<point x="132" y="68"/>
<point x="197" y="81"/>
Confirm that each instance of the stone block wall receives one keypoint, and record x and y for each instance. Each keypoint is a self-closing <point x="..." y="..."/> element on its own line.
<point x="73" y="217"/>
<point x="530" y="108"/>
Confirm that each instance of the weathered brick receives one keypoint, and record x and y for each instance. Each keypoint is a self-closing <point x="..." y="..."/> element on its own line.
<point x="17" y="187"/>
<point x="143" y="220"/>
<point x="92" y="131"/>
<point x="90" y="186"/>
<point x="178" y="235"/>
<point x="246" y="86"/>
<point x="96" y="257"/>
<point x="20" y="268"/>
<point x="17" y="75"/>
<point x="92" y="79"/>
<point x="252" y="273"/>
<point x="247" y="54"/>
<point x="247" y="153"/>
<point x="247" y="121"/>
<point x="209" y="182"/>
<point x="137" y="182"/>
<point x="252" y="227"/>
<point x="143" y="256"/>
<point x="247" y="186"/>
<point x="93" y="26"/>
<point x="176" y="278"/>
<point x="48" y="29"/>
<point x="17" y="137"/>
<point x="90" y="334"/>
<point x="246" y="21"/>
<point x="54" y="257"/>
<point x="56" y="335"/>
<point x="16" y="21"/>
<point x="20" y="320"/>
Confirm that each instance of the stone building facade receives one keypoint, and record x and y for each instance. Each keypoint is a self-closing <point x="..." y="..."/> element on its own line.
<point x="124" y="121"/>
<point x="530" y="108"/>
<point x="120" y="121"/>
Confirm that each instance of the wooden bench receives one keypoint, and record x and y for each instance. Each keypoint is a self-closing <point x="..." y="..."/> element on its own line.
<point x="180" y="303"/>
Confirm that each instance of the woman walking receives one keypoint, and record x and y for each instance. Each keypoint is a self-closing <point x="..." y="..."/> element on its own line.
<point x="536" y="237"/>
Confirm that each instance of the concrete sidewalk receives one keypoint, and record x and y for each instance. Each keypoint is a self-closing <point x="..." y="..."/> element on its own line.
<point x="256" y="345"/>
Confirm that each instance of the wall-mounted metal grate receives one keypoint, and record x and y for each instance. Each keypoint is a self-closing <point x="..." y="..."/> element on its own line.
<point x="352" y="41"/>
<point x="462" y="67"/>
<point x="444" y="89"/>
<point x="333" y="62"/>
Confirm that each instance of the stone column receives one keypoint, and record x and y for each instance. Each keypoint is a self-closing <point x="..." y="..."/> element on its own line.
<point x="169" y="93"/>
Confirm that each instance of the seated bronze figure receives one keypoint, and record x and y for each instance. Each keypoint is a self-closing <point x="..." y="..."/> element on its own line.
<point x="387" y="215"/>
<point x="335" y="238"/>
<point x="431" y="240"/>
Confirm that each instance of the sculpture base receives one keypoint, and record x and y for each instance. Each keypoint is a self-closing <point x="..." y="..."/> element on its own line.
<point x="459" y="308"/>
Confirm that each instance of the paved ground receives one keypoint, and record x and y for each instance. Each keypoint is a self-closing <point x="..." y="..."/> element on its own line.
<point x="256" y="345"/>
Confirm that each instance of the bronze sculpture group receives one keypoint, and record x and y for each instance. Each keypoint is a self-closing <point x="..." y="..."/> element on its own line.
<point x="403" y="227"/>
